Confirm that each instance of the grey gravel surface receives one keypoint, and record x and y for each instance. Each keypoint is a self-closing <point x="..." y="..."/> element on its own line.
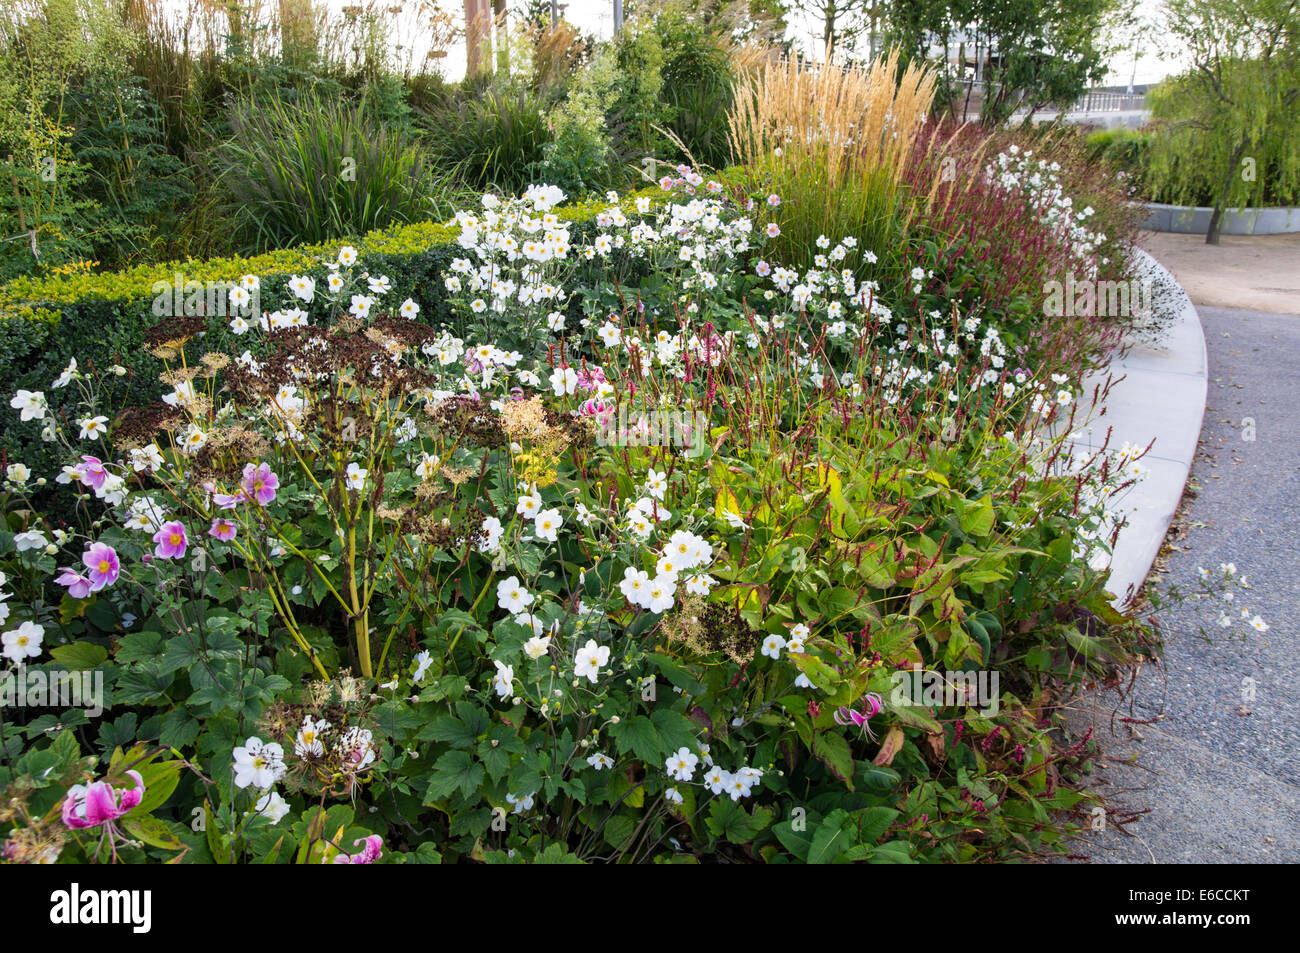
<point x="1214" y="777"/>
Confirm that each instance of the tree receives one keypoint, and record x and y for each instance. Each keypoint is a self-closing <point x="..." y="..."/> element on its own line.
<point x="1235" y="109"/>
<point x="842" y="22"/>
<point x="1030" y="54"/>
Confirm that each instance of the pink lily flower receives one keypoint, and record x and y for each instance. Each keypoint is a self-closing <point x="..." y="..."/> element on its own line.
<point x="368" y="855"/>
<point x="872" y="705"/>
<point x="100" y="803"/>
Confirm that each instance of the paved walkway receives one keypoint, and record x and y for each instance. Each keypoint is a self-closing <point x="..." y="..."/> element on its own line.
<point x="1218" y="770"/>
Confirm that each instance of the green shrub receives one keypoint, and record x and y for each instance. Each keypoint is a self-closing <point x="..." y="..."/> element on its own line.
<point x="319" y="170"/>
<point x="491" y="141"/>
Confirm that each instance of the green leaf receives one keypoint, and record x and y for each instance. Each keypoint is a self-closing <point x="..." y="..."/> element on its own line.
<point x="152" y="831"/>
<point x="831" y="839"/>
<point x="80" y="656"/>
<point x="729" y="820"/>
<point x="455" y="770"/>
<point x="977" y="520"/>
<point x="638" y="735"/>
<point x="833" y="751"/>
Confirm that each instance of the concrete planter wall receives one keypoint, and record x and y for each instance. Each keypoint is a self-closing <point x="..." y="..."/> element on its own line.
<point x="1195" y="220"/>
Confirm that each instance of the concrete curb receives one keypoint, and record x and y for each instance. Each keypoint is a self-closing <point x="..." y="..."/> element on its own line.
<point x="1195" y="220"/>
<point x="1159" y="395"/>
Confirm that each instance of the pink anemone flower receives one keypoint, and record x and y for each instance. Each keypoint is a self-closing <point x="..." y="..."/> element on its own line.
<point x="171" y="541"/>
<point x="93" y="473"/>
<point x="78" y="585"/>
<point x="259" y="483"/>
<point x="101" y="559"/>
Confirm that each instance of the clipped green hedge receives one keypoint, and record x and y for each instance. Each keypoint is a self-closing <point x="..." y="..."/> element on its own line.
<point x="101" y="319"/>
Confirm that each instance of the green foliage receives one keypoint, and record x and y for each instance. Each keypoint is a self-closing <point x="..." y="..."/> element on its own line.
<point x="319" y="170"/>
<point x="1048" y="53"/>
<point x="495" y="140"/>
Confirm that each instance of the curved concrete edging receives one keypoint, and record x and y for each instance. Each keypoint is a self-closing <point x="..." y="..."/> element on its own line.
<point x="1195" y="220"/>
<point x="1160" y="394"/>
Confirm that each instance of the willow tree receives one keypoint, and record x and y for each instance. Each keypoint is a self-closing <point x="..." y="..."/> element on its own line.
<point x="1230" y="120"/>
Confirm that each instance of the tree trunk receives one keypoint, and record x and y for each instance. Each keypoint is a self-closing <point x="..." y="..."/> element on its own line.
<point x="1221" y="194"/>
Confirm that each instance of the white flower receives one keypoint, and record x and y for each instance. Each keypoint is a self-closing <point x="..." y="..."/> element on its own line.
<point x="308" y="743"/>
<point x="68" y="376"/>
<point x="258" y="764"/>
<point x="537" y="646"/>
<point x="504" y="679"/>
<point x="355" y="477"/>
<point x="513" y="597"/>
<point x="31" y="403"/>
<point x="656" y="484"/>
<point x="271" y="806"/>
<point x="409" y="309"/>
<point x="547" y="524"/>
<point x="1258" y="624"/>
<point x="600" y="761"/>
<point x="361" y="305"/>
<point x="772" y="646"/>
<point x="23" y="642"/>
<point x="33" y="539"/>
<point x="428" y="467"/>
<point x="716" y="779"/>
<point x="347" y="256"/>
<point x="681" y="766"/>
<point x="700" y="584"/>
<point x="303" y="287"/>
<point x="521" y="804"/>
<point x="634" y="585"/>
<point x="673" y="796"/>
<point x="93" y="427"/>
<point x="379" y="285"/>
<point x="564" y="380"/>
<point x="18" y="473"/>
<point x="422" y="662"/>
<point x="659" y="594"/>
<point x="490" y="538"/>
<point x="797" y="636"/>
<point x="589" y="660"/>
<point x="529" y="505"/>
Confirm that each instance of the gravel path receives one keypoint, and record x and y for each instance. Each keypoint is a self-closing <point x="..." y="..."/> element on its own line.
<point x="1218" y="769"/>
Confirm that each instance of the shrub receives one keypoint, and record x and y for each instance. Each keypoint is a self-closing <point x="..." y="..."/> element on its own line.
<point x="318" y="170"/>
<point x="493" y="140"/>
